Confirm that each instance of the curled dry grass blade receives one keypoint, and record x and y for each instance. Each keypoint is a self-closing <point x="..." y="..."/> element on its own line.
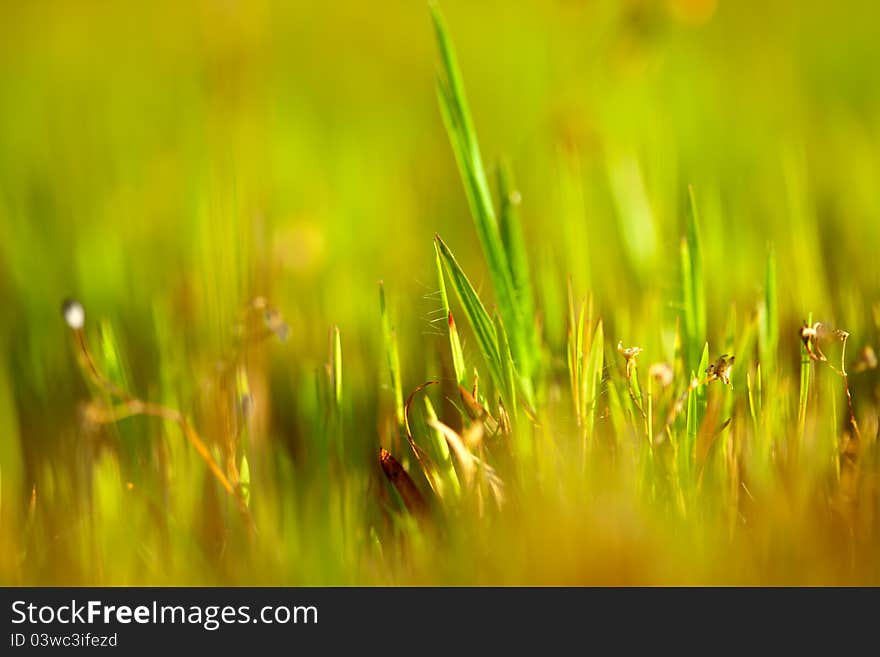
<point x="417" y="452"/>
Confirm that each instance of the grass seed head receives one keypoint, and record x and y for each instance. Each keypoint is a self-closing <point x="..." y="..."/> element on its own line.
<point x="661" y="373"/>
<point x="630" y="355"/>
<point x="867" y="359"/>
<point x="810" y="338"/>
<point x="812" y="335"/>
<point x="74" y="314"/>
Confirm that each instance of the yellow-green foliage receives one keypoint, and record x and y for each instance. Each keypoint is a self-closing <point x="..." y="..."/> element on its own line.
<point x="220" y="183"/>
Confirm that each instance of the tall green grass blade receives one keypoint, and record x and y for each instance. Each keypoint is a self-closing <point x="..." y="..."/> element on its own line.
<point x="769" y="331"/>
<point x="804" y="385"/>
<point x="615" y="390"/>
<point x="575" y="354"/>
<point x="742" y="342"/>
<point x="580" y="365"/>
<point x="693" y="290"/>
<point x="337" y="368"/>
<point x="514" y="245"/>
<point x="592" y="379"/>
<point x="462" y="136"/>
<point x="581" y="334"/>
<point x="507" y="366"/>
<point x="389" y="336"/>
<point x="701" y="372"/>
<point x="696" y="410"/>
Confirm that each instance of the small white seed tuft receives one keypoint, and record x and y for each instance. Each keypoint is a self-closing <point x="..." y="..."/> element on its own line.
<point x="74" y="314"/>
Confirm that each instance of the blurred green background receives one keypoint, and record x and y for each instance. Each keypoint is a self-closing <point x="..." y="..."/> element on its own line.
<point x="166" y="162"/>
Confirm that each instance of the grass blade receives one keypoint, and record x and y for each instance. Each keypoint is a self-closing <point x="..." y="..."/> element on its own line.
<point x="507" y="367"/>
<point x="693" y="290"/>
<point x="769" y="332"/>
<point x="458" y="363"/>
<point x="442" y="456"/>
<point x="337" y="368"/>
<point x="592" y="378"/>
<point x="575" y="354"/>
<point x="462" y="136"/>
<point x="696" y="410"/>
<point x="481" y="322"/>
<point x="389" y="336"/>
<point x="514" y="245"/>
<point x="804" y="384"/>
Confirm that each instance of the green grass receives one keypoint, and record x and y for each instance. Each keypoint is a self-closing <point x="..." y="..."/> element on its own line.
<point x="687" y="187"/>
<point x="502" y="248"/>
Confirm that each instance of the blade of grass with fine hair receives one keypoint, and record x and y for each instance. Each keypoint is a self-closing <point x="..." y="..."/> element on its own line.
<point x="481" y="322"/>
<point x="462" y="136"/>
<point x="458" y="363"/>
